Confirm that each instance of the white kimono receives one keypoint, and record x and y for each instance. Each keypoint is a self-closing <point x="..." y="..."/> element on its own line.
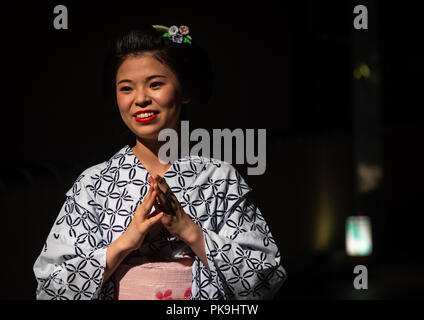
<point x="243" y="258"/>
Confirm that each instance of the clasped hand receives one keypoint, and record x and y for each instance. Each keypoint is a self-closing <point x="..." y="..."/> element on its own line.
<point x="168" y="213"/>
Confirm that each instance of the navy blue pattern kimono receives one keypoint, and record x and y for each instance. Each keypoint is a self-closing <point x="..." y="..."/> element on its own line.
<point x="243" y="258"/>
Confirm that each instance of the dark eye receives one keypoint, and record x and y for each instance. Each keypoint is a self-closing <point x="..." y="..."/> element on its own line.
<point x="155" y="84"/>
<point x="125" y="89"/>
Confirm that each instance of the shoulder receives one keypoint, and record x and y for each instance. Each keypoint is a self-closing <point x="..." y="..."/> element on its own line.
<point x="86" y="178"/>
<point x="94" y="172"/>
<point x="210" y="170"/>
<point x="208" y="166"/>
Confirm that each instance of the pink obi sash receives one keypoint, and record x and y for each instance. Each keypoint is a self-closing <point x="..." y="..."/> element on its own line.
<point x="151" y="278"/>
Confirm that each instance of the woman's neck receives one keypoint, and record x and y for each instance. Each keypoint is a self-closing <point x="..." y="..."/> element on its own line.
<point x="146" y="152"/>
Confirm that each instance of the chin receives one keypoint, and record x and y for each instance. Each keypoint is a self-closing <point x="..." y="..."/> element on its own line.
<point x="147" y="135"/>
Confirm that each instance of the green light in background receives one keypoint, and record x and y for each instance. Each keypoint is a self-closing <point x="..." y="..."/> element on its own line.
<point x="362" y="71"/>
<point x="358" y="236"/>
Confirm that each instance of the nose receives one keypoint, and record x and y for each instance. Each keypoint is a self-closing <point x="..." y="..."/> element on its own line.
<point x="142" y="99"/>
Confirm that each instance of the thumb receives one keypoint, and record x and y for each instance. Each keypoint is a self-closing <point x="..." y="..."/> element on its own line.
<point x="138" y="210"/>
<point x="153" y="220"/>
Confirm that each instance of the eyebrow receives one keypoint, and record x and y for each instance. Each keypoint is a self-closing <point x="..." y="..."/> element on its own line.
<point x="147" y="79"/>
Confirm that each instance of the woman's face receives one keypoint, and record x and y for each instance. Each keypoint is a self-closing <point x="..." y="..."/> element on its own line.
<point x="148" y="95"/>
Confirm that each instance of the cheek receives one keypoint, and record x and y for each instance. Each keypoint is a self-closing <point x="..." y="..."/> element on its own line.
<point x="167" y="97"/>
<point x="123" y="101"/>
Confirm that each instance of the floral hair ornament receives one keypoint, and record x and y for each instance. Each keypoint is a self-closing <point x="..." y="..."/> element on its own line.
<point x="175" y="34"/>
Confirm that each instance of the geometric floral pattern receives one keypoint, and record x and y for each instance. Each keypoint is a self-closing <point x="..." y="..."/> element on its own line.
<point x="243" y="258"/>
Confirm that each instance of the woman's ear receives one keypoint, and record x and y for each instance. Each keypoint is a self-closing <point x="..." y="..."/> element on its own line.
<point x="185" y="100"/>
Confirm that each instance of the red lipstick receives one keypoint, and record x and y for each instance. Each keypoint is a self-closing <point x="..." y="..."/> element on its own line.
<point x="147" y="119"/>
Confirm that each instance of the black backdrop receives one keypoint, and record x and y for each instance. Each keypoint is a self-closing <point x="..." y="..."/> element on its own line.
<point x="283" y="67"/>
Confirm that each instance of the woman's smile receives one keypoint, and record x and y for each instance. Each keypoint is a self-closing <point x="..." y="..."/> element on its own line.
<point x="145" y="116"/>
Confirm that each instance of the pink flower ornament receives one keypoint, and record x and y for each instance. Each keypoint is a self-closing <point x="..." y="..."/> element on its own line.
<point x="184" y="30"/>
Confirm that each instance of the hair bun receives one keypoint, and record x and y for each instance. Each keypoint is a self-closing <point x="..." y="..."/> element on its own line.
<point x="176" y="49"/>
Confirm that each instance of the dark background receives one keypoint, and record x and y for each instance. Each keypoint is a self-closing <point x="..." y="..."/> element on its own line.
<point x="284" y="67"/>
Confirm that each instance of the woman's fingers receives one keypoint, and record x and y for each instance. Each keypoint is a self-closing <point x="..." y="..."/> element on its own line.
<point x="165" y="203"/>
<point x="164" y="187"/>
<point x="150" y="201"/>
<point x="165" y="200"/>
<point x="157" y="206"/>
<point x="155" y="218"/>
<point x="159" y="197"/>
<point x="145" y="207"/>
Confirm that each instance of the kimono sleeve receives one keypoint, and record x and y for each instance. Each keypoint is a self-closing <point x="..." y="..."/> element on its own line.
<point x="243" y="257"/>
<point x="72" y="262"/>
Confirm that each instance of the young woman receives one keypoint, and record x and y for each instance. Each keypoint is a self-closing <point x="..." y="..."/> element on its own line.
<point x="135" y="228"/>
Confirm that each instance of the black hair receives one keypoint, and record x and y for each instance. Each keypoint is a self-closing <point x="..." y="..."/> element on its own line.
<point x="188" y="61"/>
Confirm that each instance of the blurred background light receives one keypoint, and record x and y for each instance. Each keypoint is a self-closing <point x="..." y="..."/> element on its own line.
<point x="362" y="70"/>
<point x="358" y="236"/>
